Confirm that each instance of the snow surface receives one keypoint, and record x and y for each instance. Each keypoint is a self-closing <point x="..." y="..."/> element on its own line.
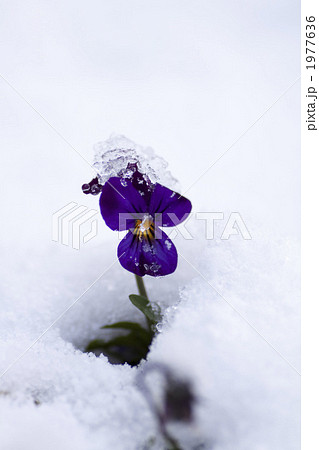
<point x="187" y="81"/>
<point x="248" y="396"/>
<point x="230" y="328"/>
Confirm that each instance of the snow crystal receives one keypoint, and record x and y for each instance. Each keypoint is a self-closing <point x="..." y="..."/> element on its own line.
<point x="159" y="327"/>
<point x="155" y="267"/>
<point x="116" y="156"/>
<point x="146" y="247"/>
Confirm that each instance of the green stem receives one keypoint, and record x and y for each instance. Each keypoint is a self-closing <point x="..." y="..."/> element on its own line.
<point x="143" y="293"/>
<point x="172" y="442"/>
<point x="140" y="286"/>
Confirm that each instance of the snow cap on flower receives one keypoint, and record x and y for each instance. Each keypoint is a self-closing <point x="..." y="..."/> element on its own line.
<point x="115" y="156"/>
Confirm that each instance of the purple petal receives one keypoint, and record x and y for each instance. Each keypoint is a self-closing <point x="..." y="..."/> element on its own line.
<point x="173" y="207"/>
<point x="141" y="184"/>
<point x="120" y="202"/>
<point x="156" y="259"/>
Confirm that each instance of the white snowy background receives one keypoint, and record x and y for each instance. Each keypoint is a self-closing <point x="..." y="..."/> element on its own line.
<point x="186" y="78"/>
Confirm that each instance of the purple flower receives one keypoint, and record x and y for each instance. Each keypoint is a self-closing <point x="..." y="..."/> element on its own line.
<point x="142" y="208"/>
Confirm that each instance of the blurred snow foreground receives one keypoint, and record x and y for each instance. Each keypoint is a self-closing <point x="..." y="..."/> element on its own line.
<point x="231" y="329"/>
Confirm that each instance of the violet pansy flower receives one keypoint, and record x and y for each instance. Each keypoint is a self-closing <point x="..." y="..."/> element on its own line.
<point x="146" y="249"/>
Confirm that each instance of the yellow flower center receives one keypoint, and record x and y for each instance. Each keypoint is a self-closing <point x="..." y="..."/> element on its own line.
<point x="145" y="228"/>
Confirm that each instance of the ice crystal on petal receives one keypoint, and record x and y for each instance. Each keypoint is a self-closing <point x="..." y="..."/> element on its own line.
<point x="147" y="247"/>
<point x="155" y="267"/>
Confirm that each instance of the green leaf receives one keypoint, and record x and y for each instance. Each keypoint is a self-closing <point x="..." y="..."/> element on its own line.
<point x="93" y="345"/>
<point x="131" y="340"/>
<point x="121" y="349"/>
<point x="133" y="326"/>
<point x="143" y="304"/>
<point x="136" y="329"/>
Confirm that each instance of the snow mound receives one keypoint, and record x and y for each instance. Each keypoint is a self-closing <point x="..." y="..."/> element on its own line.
<point x="248" y="395"/>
